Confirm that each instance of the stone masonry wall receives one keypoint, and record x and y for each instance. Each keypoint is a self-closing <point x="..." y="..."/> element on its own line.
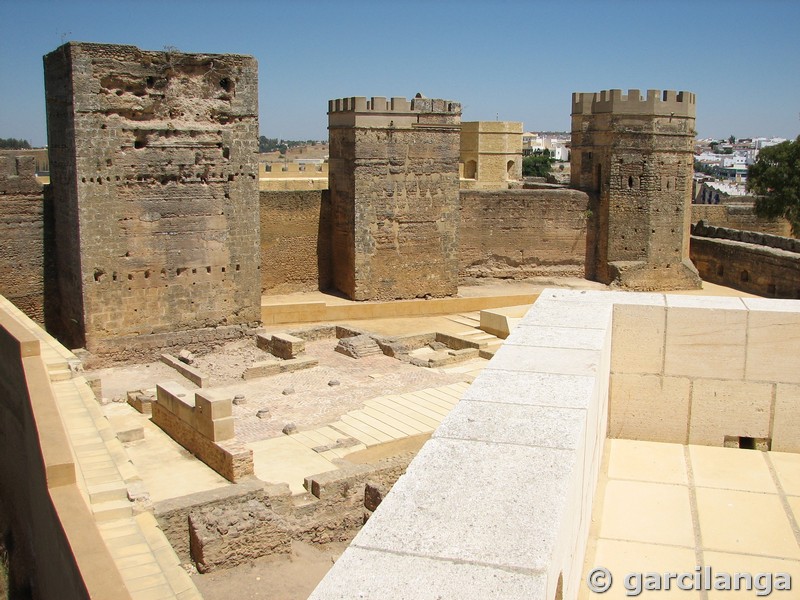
<point x="634" y="155"/>
<point x="154" y="171"/>
<point x="394" y="197"/>
<point x="760" y="269"/>
<point x="738" y="216"/>
<point x="295" y="241"/>
<point x="22" y="235"/>
<point x="522" y="233"/>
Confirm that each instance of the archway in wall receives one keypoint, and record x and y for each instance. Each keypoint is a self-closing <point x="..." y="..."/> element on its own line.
<point x="510" y="169"/>
<point x="470" y="169"/>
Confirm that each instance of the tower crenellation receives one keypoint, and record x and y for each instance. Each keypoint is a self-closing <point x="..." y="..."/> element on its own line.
<point x="655" y="102"/>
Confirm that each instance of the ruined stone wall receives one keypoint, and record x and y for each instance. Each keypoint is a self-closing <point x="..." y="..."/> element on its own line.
<point x="522" y="233"/>
<point x="740" y="260"/>
<point x="738" y="216"/>
<point x="295" y="241"/>
<point x="394" y="197"/>
<point x="22" y="234"/>
<point x="634" y="155"/>
<point x="153" y="167"/>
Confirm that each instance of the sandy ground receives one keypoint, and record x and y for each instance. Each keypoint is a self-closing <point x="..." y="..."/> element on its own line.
<point x="291" y="577"/>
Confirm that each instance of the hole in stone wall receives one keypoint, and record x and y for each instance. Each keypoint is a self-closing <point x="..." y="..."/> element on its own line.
<point x="99" y="274"/>
<point x="744" y="276"/>
<point x="226" y="153"/>
<point x="208" y="269"/>
<point x="147" y="274"/>
<point x="179" y="271"/>
<point x="130" y="276"/>
<point x="237" y="267"/>
<point x="163" y="273"/>
<point x="747" y="443"/>
<point x="630" y="182"/>
<point x="225" y="84"/>
<point x="720" y="270"/>
<point x="150" y="82"/>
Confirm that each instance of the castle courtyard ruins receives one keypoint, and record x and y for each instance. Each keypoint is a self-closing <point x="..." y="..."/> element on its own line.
<point x="426" y="376"/>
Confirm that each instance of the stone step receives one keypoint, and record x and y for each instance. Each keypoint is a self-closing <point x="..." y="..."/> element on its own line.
<point x="107" y="492"/>
<point x="112" y="509"/>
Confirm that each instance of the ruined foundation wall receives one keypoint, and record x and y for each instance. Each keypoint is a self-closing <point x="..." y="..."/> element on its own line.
<point x="522" y="233"/>
<point x="153" y="166"/>
<point x="394" y="197"/>
<point x="738" y="216"/>
<point x="295" y="241"/>
<point x="22" y="235"/>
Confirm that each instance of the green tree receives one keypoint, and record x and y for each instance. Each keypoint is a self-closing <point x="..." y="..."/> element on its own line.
<point x="732" y="139"/>
<point x="775" y="180"/>
<point x="537" y="165"/>
<point x="14" y="144"/>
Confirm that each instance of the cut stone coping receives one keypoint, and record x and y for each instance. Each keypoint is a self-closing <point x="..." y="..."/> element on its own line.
<point x="194" y="375"/>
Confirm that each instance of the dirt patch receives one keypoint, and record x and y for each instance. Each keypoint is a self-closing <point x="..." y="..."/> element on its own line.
<point x="289" y="577"/>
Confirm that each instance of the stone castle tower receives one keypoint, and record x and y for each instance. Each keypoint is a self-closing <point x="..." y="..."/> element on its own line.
<point x="633" y="155"/>
<point x="394" y="196"/>
<point x="153" y="167"/>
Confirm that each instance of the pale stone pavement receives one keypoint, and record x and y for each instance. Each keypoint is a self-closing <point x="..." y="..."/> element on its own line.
<point x="667" y="507"/>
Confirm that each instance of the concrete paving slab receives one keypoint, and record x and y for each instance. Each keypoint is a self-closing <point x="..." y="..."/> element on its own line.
<point x="542" y="389"/>
<point x="647" y="461"/>
<point x="731" y="469"/>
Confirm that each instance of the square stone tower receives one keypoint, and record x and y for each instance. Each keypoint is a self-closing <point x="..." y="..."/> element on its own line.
<point x="633" y="155"/>
<point x="394" y="196"/>
<point x="154" y="174"/>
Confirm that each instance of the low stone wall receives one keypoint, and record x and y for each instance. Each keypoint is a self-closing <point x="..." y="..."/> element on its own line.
<point x="738" y="216"/>
<point x="295" y="241"/>
<point x="753" y="262"/>
<point x="205" y="427"/>
<point x="49" y="533"/>
<point x="522" y="233"/>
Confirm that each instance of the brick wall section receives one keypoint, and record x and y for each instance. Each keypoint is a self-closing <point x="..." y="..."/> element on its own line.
<point x="22" y="235"/>
<point x="738" y="216"/>
<point x="153" y="166"/>
<point x="394" y="197"/>
<point x="295" y="241"/>
<point x="522" y="233"/>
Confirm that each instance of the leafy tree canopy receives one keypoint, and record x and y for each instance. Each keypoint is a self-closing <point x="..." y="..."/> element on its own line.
<point x="775" y="180"/>
<point x="14" y="144"/>
<point x="537" y="165"/>
<point x="266" y="144"/>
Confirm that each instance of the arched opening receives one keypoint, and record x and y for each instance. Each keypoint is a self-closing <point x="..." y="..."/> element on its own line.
<point x="470" y="169"/>
<point x="510" y="169"/>
<point x="745" y="276"/>
<point x="630" y="182"/>
<point x="720" y="270"/>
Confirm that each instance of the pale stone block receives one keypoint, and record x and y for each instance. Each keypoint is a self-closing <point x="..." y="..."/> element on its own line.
<point x="373" y="575"/>
<point x="773" y="346"/>
<point x="213" y="406"/>
<point x="580" y="315"/>
<point x="649" y="407"/>
<point x="549" y="427"/>
<point x="734" y="408"/>
<point x="604" y="296"/>
<point x="637" y="342"/>
<point x="439" y="508"/>
<point x="786" y="423"/>
<point x="705" y="343"/>
<point x="558" y="337"/>
<point x="566" y="361"/>
<point x="542" y="389"/>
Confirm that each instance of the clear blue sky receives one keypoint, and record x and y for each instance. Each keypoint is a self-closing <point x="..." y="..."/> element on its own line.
<point x="518" y="60"/>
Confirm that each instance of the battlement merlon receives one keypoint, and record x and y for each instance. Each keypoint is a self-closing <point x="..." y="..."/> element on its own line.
<point x="397" y="112"/>
<point x="657" y="103"/>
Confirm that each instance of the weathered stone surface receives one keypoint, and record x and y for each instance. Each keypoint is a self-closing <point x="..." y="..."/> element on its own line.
<point x="229" y="535"/>
<point x="22" y="231"/>
<point x="394" y="197"/>
<point x="153" y="168"/>
<point x="373" y="495"/>
<point x="358" y="346"/>
<point x="633" y="156"/>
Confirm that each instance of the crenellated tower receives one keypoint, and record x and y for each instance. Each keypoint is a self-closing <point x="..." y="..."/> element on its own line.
<point x="394" y="196"/>
<point x="633" y="155"/>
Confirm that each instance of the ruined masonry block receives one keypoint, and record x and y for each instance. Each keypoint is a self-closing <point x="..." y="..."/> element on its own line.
<point x="394" y="196"/>
<point x="287" y="346"/>
<point x="153" y="165"/>
<point x="226" y="536"/>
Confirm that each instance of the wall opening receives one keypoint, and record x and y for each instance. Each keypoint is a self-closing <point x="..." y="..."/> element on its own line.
<point x="744" y="276"/>
<point x="510" y="168"/>
<point x="470" y="169"/>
